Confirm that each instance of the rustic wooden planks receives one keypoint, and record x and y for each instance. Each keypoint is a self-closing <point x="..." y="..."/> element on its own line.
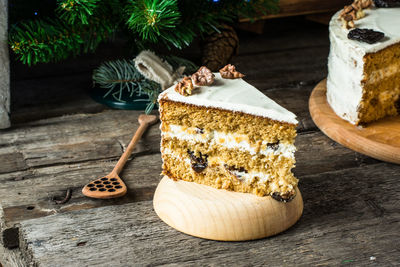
<point x="347" y="219"/>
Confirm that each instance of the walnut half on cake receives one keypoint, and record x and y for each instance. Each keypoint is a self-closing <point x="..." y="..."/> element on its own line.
<point x="229" y="136"/>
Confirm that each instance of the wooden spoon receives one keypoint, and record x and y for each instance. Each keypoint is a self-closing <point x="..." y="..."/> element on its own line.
<point x="111" y="185"/>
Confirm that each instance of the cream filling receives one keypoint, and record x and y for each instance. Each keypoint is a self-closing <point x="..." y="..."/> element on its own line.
<point x="228" y="140"/>
<point x="245" y="177"/>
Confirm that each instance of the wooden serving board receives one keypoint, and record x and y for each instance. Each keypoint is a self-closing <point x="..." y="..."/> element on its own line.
<point x="380" y="139"/>
<point x="210" y="213"/>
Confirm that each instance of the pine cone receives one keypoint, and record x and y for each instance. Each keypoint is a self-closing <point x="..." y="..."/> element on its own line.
<point x="218" y="48"/>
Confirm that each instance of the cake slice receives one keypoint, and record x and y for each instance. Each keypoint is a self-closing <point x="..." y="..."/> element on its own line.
<point x="230" y="136"/>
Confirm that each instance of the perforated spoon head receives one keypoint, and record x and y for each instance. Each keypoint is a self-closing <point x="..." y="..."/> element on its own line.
<point x="110" y="186"/>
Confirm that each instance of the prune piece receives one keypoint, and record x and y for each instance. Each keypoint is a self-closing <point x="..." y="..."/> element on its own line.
<point x="199" y="130"/>
<point x="234" y="171"/>
<point x="273" y="146"/>
<point x="198" y="163"/>
<point x="365" y="35"/>
<point x="289" y="196"/>
<point x="387" y="3"/>
<point x="374" y="101"/>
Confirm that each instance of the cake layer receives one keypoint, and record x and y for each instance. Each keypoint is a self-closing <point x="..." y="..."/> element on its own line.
<point x="214" y="119"/>
<point x="232" y="95"/>
<point x="224" y="177"/>
<point x="276" y="165"/>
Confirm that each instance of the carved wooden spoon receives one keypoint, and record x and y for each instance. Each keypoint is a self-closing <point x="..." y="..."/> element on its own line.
<point x="111" y="185"/>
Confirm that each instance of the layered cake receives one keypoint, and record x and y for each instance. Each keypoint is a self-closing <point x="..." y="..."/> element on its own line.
<point x="363" y="84"/>
<point x="220" y="131"/>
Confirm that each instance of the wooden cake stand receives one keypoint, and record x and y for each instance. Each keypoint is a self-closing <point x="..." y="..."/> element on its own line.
<point x="217" y="214"/>
<point x="380" y="139"/>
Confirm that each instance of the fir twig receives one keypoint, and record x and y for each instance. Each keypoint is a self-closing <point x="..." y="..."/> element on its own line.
<point x="43" y="41"/>
<point x="82" y="25"/>
<point x="76" y="11"/>
<point x="120" y="75"/>
<point x="150" y="19"/>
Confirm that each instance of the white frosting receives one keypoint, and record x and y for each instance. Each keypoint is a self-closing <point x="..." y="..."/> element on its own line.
<point x="345" y="62"/>
<point x="235" y="95"/>
<point x="228" y="140"/>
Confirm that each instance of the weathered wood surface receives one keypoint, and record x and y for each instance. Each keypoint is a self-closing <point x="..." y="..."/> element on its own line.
<point x="61" y="139"/>
<point x="350" y="216"/>
<point x="4" y="68"/>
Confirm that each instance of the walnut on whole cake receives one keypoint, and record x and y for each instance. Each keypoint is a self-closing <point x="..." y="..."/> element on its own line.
<point x="353" y="12"/>
<point x="230" y="72"/>
<point x="185" y="87"/>
<point x="203" y="76"/>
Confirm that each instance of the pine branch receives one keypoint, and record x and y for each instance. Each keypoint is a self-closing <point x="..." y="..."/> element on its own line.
<point x="151" y="18"/>
<point x="43" y="41"/>
<point x="177" y="23"/>
<point x="120" y="75"/>
<point x="83" y="24"/>
<point x="76" y="11"/>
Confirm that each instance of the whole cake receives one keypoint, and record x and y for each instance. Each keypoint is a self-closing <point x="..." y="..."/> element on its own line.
<point x="363" y="83"/>
<point x="220" y="131"/>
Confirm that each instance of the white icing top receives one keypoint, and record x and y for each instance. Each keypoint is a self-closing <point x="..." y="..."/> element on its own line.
<point x="234" y="95"/>
<point x="386" y="20"/>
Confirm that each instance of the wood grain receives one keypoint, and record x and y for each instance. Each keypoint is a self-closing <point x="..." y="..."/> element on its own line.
<point x="206" y="212"/>
<point x="380" y="139"/>
<point x="349" y="216"/>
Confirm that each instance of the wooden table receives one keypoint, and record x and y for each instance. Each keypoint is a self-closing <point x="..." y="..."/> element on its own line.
<point x="61" y="139"/>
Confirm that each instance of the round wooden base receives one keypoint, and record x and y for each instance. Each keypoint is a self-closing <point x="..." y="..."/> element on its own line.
<point x="380" y="139"/>
<point x="216" y="214"/>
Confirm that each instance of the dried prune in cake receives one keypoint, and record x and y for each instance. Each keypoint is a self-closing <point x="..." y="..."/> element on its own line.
<point x="374" y="101"/>
<point x="365" y="35"/>
<point x="387" y="3"/>
<point x="235" y="171"/>
<point x="199" y="130"/>
<point x="199" y="163"/>
<point x="289" y="196"/>
<point x="273" y="146"/>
